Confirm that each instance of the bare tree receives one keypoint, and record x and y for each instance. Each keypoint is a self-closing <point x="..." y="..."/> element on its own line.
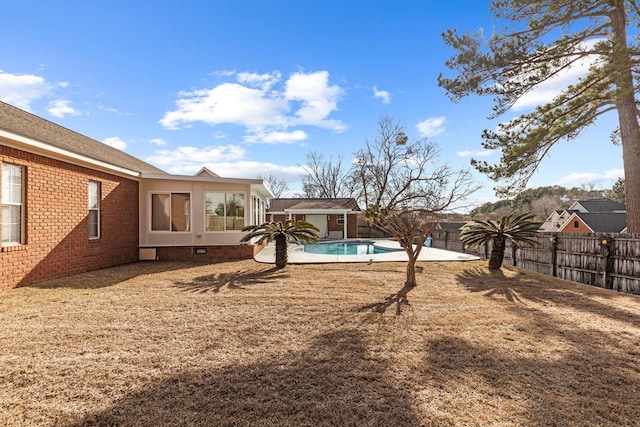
<point x="278" y="186"/>
<point x="405" y="190"/>
<point x="543" y="206"/>
<point x="326" y="177"/>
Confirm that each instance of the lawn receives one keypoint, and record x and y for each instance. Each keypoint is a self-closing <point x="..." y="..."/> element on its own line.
<point x="241" y="344"/>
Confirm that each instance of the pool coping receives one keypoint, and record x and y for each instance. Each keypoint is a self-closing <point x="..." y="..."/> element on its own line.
<point x="297" y="255"/>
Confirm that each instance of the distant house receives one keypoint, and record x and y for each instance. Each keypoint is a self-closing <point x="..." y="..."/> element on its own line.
<point x="71" y="204"/>
<point x="579" y="222"/>
<point x="588" y="216"/>
<point x="336" y="218"/>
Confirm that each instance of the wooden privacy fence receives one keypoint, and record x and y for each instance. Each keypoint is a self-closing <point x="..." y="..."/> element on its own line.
<point x="580" y="257"/>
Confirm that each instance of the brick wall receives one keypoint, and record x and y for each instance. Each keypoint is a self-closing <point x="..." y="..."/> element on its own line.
<point x="57" y="239"/>
<point x="213" y="253"/>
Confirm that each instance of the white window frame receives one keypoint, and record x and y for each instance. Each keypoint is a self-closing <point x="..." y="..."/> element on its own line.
<point x="340" y="218"/>
<point x="7" y="189"/>
<point x="187" y="210"/>
<point x="258" y="211"/>
<point x="224" y="222"/>
<point x="94" y="189"/>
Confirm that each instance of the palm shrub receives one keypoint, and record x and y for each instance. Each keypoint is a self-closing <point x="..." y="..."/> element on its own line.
<point x="512" y="228"/>
<point x="282" y="232"/>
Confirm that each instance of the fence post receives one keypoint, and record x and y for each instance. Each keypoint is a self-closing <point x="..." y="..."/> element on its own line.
<point x="605" y="251"/>
<point x="446" y="240"/>
<point x="554" y="254"/>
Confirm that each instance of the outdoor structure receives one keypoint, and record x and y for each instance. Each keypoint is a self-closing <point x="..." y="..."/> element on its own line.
<point x="336" y="218"/>
<point x="72" y="204"/>
<point x="588" y="216"/>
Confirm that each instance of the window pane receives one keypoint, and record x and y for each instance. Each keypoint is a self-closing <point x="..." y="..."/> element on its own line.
<point x="11" y="183"/>
<point x="94" y="195"/>
<point x="214" y="211"/>
<point x="235" y="211"/>
<point x="180" y="208"/>
<point x="11" y="221"/>
<point x="93" y="224"/>
<point x="160" y="212"/>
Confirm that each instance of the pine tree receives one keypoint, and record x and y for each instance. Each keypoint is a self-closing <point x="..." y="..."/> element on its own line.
<point x="534" y="40"/>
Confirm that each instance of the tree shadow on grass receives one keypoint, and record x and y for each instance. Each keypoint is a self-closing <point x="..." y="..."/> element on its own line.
<point x="234" y="280"/>
<point x="579" y="387"/>
<point x="334" y="382"/>
<point x="112" y="276"/>
<point x="525" y="287"/>
<point x="398" y="300"/>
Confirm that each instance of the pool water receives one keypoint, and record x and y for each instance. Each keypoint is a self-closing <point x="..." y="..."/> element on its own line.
<point x="346" y="248"/>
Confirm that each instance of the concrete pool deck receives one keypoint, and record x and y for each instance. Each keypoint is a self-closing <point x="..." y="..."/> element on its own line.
<point x="297" y="255"/>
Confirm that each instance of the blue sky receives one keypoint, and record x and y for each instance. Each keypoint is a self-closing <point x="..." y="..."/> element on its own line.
<point x="248" y="88"/>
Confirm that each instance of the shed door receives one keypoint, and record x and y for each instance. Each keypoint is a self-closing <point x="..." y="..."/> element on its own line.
<point x="319" y="221"/>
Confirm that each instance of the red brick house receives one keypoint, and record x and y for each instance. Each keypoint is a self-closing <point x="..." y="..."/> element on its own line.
<point x="71" y="204"/>
<point x="336" y="218"/>
<point x="588" y="216"/>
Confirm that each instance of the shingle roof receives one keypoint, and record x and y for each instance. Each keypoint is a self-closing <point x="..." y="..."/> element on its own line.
<point x="20" y="122"/>
<point x="601" y="205"/>
<point x="279" y="205"/>
<point x="604" y="222"/>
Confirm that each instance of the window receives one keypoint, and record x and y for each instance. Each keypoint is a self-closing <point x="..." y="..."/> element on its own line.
<point x="576" y="224"/>
<point x="340" y="219"/>
<point x="94" y="210"/>
<point x="171" y="212"/>
<point x="224" y="211"/>
<point x="258" y="211"/>
<point x="12" y="204"/>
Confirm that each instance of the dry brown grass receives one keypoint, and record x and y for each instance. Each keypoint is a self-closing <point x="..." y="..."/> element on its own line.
<point x="242" y="344"/>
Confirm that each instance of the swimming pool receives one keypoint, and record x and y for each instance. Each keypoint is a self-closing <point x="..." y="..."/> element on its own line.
<point x="357" y="247"/>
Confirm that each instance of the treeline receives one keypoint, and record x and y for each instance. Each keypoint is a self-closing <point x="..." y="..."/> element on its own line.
<point x="542" y="201"/>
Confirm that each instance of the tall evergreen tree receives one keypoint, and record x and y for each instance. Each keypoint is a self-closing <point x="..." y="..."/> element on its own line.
<point x="534" y="41"/>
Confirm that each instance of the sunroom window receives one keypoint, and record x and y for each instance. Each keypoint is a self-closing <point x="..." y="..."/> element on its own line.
<point x="171" y="212"/>
<point x="224" y="211"/>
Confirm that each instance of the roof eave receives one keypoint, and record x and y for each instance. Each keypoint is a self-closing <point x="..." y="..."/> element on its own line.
<point x="24" y="143"/>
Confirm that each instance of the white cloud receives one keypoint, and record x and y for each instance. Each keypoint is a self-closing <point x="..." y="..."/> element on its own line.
<point x="578" y="178"/>
<point x="158" y="141"/>
<point x="223" y="73"/>
<point x="227" y="161"/>
<point x="115" y="142"/>
<point x="431" y="127"/>
<point x="549" y="89"/>
<point x="475" y="153"/>
<point x="109" y="109"/>
<point x="264" y="81"/>
<point x="382" y="94"/>
<point x="22" y="89"/>
<point x="255" y="103"/>
<point x="61" y="108"/>
<point x="63" y="84"/>
<point x="246" y="168"/>
<point x="277" y="137"/>
<point x="318" y="99"/>
<point x="227" y="103"/>
<point x="184" y="158"/>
